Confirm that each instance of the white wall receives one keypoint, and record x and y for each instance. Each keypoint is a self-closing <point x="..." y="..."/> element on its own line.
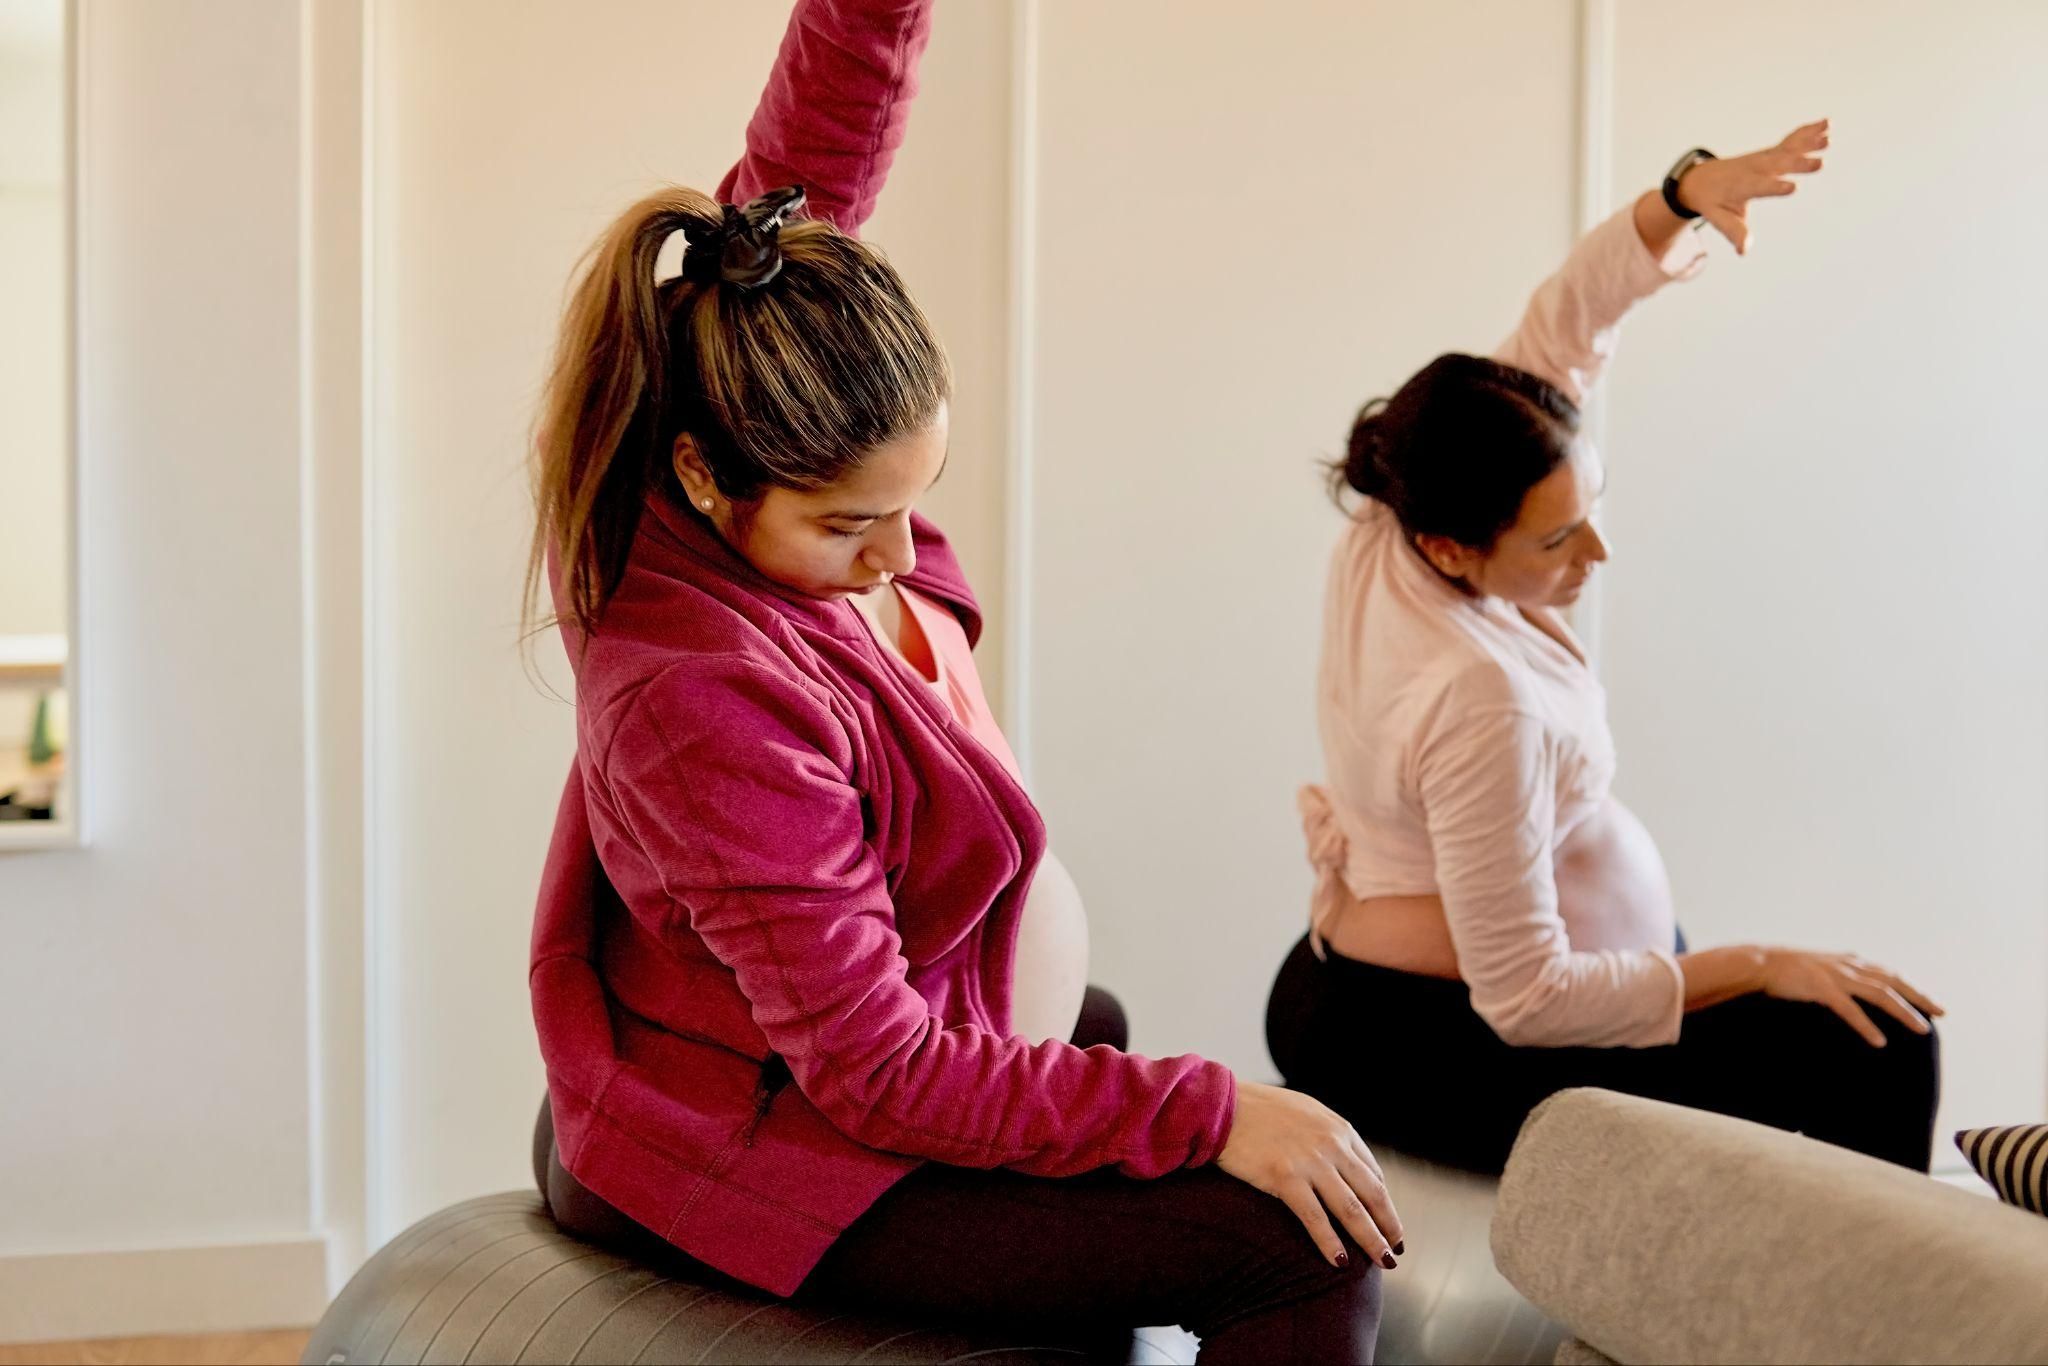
<point x="155" y="983"/>
<point x="504" y="141"/>
<point x="1823" y="633"/>
<point x="1301" y="203"/>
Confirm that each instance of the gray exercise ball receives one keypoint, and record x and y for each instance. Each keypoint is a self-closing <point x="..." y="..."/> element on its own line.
<point x="495" y="1280"/>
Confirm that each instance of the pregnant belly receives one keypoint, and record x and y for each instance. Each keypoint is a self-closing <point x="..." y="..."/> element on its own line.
<point x="1612" y="893"/>
<point x="1050" y="974"/>
<point x="1612" y="889"/>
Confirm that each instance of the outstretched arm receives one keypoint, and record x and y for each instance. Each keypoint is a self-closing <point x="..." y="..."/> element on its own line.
<point x="836" y="106"/>
<point x="1569" y="331"/>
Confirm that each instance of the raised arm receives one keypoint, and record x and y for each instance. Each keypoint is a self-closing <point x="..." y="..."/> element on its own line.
<point x="836" y="106"/>
<point x="1568" y="333"/>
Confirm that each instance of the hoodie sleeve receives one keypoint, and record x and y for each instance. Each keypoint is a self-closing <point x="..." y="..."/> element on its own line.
<point x="736" y="782"/>
<point x="836" y="106"/>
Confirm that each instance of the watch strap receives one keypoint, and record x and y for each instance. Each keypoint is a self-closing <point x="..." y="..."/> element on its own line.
<point x="1677" y="173"/>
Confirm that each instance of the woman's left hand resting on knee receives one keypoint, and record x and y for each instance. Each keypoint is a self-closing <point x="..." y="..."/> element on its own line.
<point x="1295" y="1148"/>
<point x="1839" y="981"/>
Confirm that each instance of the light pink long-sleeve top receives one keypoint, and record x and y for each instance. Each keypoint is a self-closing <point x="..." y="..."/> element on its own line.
<point x="1463" y="745"/>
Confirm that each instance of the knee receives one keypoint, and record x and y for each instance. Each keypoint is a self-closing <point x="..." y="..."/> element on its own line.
<point x="1265" y="1258"/>
<point x="1912" y="1058"/>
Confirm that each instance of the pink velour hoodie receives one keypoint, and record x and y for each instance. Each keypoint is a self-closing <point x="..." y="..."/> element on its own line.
<point x="780" y="856"/>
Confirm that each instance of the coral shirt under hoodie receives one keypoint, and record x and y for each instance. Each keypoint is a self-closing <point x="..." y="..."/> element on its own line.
<point x="1464" y="745"/>
<point x="780" y="858"/>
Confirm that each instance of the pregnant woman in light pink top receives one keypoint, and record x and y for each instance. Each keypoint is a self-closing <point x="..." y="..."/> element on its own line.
<point x="1489" y="923"/>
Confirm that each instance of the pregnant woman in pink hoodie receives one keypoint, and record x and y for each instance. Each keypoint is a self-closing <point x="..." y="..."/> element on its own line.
<point x="808" y="985"/>
<point x="1489" y="923"/>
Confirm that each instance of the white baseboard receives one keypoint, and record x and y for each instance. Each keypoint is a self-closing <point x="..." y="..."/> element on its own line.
<point x="239" y="1287"/>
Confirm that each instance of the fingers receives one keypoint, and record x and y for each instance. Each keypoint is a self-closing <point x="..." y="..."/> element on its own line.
<point x="1907" y="990"/>
<point x="1844" y="1005"/>
<point x="1807" y="136"/>
<point x="1370" y="1188"/>
<point x="1357" y="1148"/>
<point x="1388" y="1218"/>
<point x="1881" y="995"/>
<point x="1300" y="1197"/>
<point x="1343" y="1203"/>
<point x="1732" y="226"/>
<point x="1874" y="972"/>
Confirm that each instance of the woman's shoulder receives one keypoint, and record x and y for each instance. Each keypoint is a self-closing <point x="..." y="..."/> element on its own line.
<point x="670" y="644"/>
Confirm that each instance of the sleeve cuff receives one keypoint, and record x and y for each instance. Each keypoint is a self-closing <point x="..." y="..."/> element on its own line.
<point x="1648" y="272"/>
<point x="1666" y="1031"/>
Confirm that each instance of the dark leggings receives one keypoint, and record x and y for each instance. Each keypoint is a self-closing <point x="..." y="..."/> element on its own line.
<point x="1083" y="1257"/>
<point x="1410" y="1064"/>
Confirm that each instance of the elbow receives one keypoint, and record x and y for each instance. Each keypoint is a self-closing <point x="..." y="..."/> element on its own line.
<point x="1534" y="1012"/>
<point x="1519" y="1030"/>
<point x="1549" y="1016"/>
<point x="1540" y="1009"/>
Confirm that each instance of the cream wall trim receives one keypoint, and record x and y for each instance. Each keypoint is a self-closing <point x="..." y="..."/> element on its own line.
<point x="1021" y="525"/>
<point x="331" y="226"/>
<point x="69" y="833"/>
<point x="382" y="760"/>
<point x="229" y="1288"/>
<point x="78" y="826"/>
<point x="1595" y="201"/>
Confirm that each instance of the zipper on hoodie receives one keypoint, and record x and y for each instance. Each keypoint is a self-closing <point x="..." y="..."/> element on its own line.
<point x="774" y="1076"/>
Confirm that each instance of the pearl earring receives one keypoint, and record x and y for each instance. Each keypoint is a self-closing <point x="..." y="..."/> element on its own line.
<point x="706" y="505"/>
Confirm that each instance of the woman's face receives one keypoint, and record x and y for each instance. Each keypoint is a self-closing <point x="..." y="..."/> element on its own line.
<point x="1546" y="557"/>
<point x="835" y="542"/>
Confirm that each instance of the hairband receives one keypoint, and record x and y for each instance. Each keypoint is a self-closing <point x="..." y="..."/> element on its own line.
<point x="745" y="246"/>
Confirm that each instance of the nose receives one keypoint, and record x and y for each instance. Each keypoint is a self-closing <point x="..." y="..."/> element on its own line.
<point x="1596" y="544"/>
<point x="893" y="552"/>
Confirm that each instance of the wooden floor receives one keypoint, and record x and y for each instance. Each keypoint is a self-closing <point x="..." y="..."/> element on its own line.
<point x="280" y="1348"/>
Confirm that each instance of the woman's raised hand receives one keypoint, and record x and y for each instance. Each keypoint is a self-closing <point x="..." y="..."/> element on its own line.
<point x="1297" y="1149"/>
<point x="1841" y="982"/>
<point x="1720" y="191"/>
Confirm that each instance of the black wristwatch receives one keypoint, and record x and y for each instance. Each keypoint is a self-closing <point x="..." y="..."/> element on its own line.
<point x="1677" y="171"/>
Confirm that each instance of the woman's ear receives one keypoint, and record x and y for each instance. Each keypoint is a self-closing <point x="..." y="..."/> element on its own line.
<point x="1452" y="559"/>
<point x="695" y="475"/>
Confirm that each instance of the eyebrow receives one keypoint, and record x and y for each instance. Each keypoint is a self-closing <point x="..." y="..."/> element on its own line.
<point x="946" y="460"/>
<point x="1564" y="531"/>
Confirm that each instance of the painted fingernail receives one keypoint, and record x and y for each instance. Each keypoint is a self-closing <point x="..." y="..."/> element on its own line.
<point x="1343" y="1260"/>
<point x="1387" y="1261"/>
<point x="1401" y="1248"/>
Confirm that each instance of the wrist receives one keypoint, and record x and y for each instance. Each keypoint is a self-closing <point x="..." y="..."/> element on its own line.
<point x="1757" y="966"/>
<point x="1673" y="191"/>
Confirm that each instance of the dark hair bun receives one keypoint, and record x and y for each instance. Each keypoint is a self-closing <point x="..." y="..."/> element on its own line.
<point x="1457" y="447"/>
<point x="1365" y="469"/>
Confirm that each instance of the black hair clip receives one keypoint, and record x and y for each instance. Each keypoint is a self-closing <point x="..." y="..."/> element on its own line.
<point x="745" y="247"/>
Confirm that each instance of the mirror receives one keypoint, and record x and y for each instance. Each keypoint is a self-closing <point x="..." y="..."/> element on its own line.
<point x="36" y="787"/>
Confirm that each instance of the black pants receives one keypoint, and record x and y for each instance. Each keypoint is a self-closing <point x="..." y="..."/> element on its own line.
<point x="1079" y="1257"/>
<point x="1406" y="1059"/>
